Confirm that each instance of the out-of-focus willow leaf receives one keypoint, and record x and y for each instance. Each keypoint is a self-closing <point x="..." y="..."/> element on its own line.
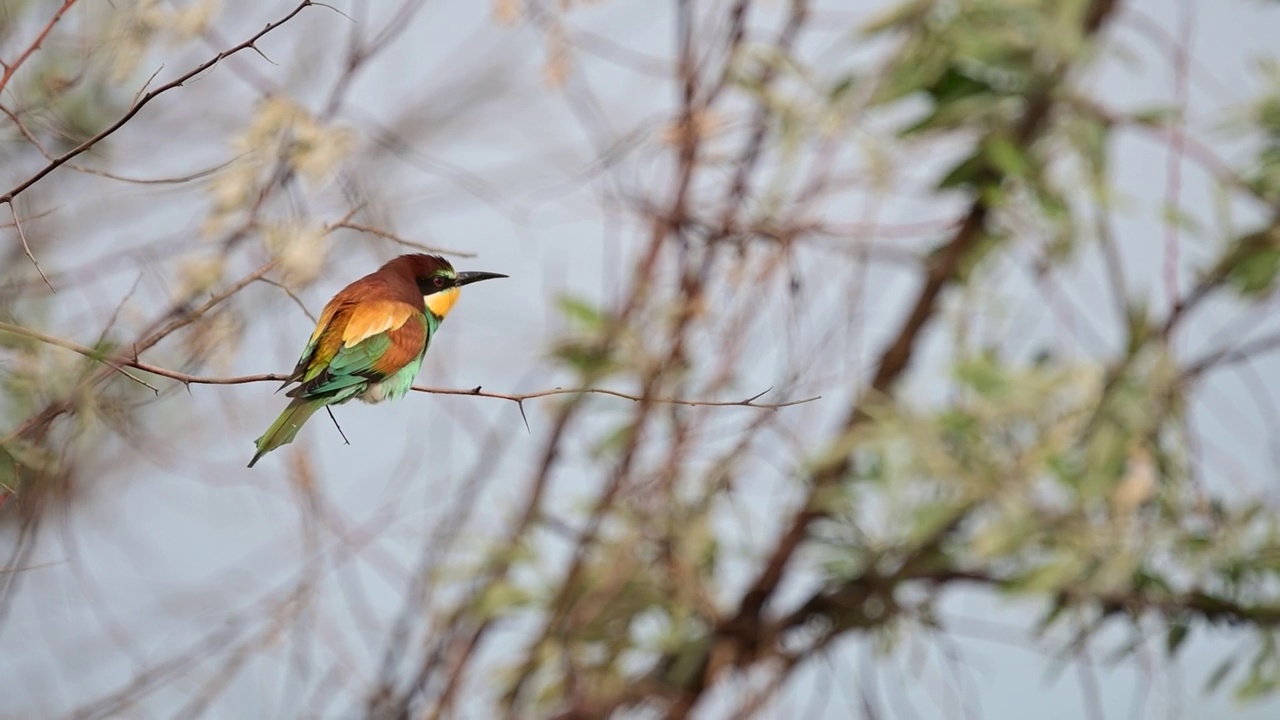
<point x="1050" y="468"/>
<point x="1255" y="274"/>
<point x="1250" y="263"/>
<point x="581" y="311"/>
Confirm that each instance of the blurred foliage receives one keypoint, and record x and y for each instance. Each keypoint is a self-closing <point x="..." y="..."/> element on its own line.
<point x="1265" y="120"/>
<point x="1064" y="481"/>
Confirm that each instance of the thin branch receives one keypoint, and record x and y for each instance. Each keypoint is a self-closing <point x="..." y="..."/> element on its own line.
<point x="177" y="180"/>
<point x="36" y="216"/>
<point x="519" y="398"/>
<point x="35" y="142"/>
<point x="142" y="102"/>
<point x="36" y="566"/>
<point x="90" y="353"/>
<point x="1208" y="606"/>
<point x="188" y="379"/>
<point x="292" y="296"/>
<point x="1232" y="356"/>
<point x="146" y="84"/>
<point x="11" y="68"/>
<point x="386" y="235"/>
<point x="177" y="318"/>
<point x="26" y="247"/>
<point x="1173" y="178"/>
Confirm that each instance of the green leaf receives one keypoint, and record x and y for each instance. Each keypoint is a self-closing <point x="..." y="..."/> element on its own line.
<point x="930" y="519"/>
<point x="1006" y="157"/>
<point x="842" y="87"/>
<point x="1175" y="215"/>
<point x="898" y="16"/>
<point x="1054" y="614"/>
<point x="502" y="598"/>
<point x="1264" y="672"/>
<point x="588" y="358"/>
<point x="1256" y="686"/>
<point x="1155" y="116"/>
<point x="1255" y="274"/>
<point x="1219" y="674"/>
<point x="578" y="310"/>
<point x="686" y="662"/>
<point x="1053" y="575"/>
<point x="965" y="174"/>
<point x="958" y="424"/>
<point x="1179" y="630"/>
<point x="954" y="85"/>
<point x="613" y="441"/>
<point x="984" y="376"/>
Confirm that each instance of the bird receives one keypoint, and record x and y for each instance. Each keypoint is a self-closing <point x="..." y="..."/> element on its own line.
<point x="370" y="340"/>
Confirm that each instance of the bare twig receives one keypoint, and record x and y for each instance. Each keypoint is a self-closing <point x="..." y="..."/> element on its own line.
<point x="26" y="247"/>
<point x="143" y="101"/>
<point x="517" y="398"/>
<point x="1232" y="356"/>
<point x="177" y="180"/>
<point x="387" y="235"/>
<point x="11" y="68"/>
<point x="292" y="296"/>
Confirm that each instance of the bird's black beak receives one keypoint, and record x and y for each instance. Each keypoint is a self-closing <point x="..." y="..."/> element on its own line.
<point x="466" y="278"/>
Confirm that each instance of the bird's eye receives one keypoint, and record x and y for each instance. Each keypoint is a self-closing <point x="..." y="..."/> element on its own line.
<point x="438" y="281"/>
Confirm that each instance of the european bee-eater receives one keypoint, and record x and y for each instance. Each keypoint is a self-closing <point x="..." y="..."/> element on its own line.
<point x="370" y="340"/>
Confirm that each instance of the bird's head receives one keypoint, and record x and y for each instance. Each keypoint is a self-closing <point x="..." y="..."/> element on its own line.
<point x="437" y="281"/>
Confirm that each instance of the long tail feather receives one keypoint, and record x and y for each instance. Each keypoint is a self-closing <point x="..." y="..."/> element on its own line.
<point x="286" y="427"/>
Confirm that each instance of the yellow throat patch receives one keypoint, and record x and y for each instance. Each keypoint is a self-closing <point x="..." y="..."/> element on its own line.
<point x="442" y="302"/>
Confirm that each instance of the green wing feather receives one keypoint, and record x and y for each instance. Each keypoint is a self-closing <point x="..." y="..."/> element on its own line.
<point x="346" y="375"/>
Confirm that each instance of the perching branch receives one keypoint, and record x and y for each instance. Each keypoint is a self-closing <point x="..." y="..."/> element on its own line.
<point x="119" y="362"/>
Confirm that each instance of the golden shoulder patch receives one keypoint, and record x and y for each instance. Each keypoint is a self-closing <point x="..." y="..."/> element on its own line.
<point x="372" y="317"/>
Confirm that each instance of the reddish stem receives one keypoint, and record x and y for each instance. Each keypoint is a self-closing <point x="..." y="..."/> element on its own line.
<point x="11" y="68"/>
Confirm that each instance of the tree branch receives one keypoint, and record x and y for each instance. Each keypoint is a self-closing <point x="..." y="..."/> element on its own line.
<point x="11" y="68"/>
<point x="742" y="629"/>
<point x="142" y="102"/>
<point x="122" y="361"/>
